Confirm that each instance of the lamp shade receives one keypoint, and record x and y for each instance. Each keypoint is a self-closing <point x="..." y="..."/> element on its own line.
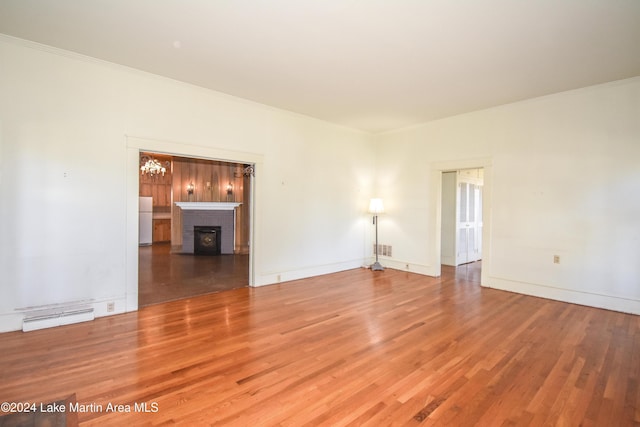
<point x="376" y="206"/>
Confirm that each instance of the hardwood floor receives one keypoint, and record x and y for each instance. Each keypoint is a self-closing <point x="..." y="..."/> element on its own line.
<point x="163" y="276"/>
<point x="351" y="348"/>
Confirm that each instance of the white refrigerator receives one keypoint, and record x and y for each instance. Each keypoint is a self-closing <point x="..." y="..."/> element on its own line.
<point x="145" y="234"/>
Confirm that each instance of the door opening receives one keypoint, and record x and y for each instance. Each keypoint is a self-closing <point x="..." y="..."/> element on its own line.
<point x="461" y="218"/>
<point x="165" y="271"/>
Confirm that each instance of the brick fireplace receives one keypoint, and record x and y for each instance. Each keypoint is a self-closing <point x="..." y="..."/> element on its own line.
<point x="208" y="214"/>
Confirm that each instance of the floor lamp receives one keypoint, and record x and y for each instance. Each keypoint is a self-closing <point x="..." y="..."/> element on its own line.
<point x="376" y="207"/>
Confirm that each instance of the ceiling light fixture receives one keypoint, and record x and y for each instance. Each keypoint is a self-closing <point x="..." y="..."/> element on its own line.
<point x="151" y="166"/>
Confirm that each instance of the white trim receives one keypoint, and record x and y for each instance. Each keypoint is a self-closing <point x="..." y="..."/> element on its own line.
<point x="591" y="299"/>
<point x="411" y="267"/>
<point x="274" y="277"/>
<point x="207" y="206"/>
<point x="437" y="168"/>
<point x="134" y="145"/>
<point x="17" y="41"/>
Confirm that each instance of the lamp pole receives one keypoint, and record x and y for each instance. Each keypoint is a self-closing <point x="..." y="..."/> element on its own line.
<point x="376" y="207"/>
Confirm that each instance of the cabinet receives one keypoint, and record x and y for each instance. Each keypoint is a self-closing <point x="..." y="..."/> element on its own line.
<point x="161" y="230"/>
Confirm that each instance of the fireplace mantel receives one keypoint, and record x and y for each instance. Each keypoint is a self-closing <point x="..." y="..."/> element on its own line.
<point x="207" y="206"/>
<point x="208" y="214"/>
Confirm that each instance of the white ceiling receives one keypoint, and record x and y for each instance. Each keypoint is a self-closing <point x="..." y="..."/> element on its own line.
<point x="374" y="65"/>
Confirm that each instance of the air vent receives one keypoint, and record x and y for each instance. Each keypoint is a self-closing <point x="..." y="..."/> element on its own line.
<point x="41" y="319"/>
<point x="383" y="250"/>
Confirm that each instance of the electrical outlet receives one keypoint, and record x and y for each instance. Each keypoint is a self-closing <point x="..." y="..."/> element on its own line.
<point x="556" y="259"/>
<point x="278" y="278"/>
<point x="111" y="306"/>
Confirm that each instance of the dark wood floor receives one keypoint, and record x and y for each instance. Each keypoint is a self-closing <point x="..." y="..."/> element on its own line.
<point x="163" y="276"/>
<point x="351" y="348"/>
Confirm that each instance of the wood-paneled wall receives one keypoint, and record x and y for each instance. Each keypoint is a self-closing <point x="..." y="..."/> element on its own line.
<point x="158" y="186"/>
<point x="210" y="180"/>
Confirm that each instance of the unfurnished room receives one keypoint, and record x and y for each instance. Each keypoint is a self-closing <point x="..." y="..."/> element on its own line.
<point x="320" y="213"/>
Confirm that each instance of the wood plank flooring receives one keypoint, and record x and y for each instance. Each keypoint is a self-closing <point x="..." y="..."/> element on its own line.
<point x="346" y="349"/>
<point x="164" y="276"/>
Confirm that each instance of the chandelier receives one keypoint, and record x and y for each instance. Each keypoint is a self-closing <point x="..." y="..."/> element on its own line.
<point x="151" y="166"/>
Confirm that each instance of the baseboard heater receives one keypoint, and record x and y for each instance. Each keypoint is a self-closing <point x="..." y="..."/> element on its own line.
<point x="40" y="319"/>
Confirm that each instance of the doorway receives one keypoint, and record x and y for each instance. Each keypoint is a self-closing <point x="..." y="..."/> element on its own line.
<point x="166" y="271"/>
<point x="462" y="220"/>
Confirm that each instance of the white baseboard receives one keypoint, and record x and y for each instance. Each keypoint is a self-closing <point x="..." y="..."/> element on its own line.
<point x="32" y="318"/>
<point x="448" y="260"/>
<point x="272" y="278"/>
<point x="608" y="302"/>
<point x="425" y="270"/>
<point x="10" y="322"/>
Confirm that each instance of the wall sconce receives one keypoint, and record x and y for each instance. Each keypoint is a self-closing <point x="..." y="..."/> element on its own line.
<point x="190" y="188"/>
<point x="230" y="192"/>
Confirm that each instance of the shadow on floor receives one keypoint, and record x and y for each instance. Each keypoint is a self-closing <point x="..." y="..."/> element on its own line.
<point x="163" y="276"/>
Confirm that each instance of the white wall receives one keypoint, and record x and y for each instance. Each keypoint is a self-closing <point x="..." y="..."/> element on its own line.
<point x="448" y="218"/>
<point x="70" y="129"/>
<point x="562" y="177"/>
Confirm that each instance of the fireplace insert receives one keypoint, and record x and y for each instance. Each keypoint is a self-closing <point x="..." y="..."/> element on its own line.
<point x="206" y="240"/>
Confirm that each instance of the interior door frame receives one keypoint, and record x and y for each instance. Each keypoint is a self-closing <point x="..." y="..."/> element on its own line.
<point x="437" y="169"/>
<point x="472" y="185"/>
<point x="134" y="145"/>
